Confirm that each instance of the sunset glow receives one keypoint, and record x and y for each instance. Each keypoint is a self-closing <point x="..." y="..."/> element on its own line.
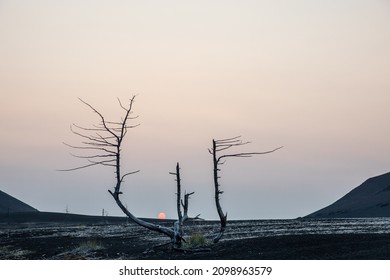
<point x="312" y="76"/>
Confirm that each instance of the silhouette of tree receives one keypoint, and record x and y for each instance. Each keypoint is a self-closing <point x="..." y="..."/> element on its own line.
<point x="219" y="146"/>
<point x="178" y="225"/>
<point x="106" y="140"/>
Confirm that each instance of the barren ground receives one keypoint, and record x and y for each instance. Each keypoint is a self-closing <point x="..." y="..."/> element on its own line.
<point x="243" y="240"/>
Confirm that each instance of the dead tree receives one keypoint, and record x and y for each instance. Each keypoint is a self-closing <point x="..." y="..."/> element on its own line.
<point x="178" y="225"/>
<point x="105" y="141"/>
<point x="219" y="146"/>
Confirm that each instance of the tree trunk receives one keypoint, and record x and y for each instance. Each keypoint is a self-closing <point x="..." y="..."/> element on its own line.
<point x="222" y="216"/>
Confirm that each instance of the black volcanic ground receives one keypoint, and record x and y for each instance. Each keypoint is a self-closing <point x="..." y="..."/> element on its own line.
<point x="370" y="199"/>
<point x="79" y="237"/>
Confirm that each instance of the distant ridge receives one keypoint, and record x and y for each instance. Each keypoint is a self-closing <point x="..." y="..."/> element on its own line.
<point x="67" y="218"/>
<point x="9" y="204"/>
<point x="370" y="199"/>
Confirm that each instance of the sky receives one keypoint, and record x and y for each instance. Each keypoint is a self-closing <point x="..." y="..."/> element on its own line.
<point x="312" y="76"/>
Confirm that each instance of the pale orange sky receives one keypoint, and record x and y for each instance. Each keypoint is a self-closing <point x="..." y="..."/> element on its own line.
<point x="309" y="75"/>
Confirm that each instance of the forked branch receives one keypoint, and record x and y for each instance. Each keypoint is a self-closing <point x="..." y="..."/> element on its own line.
<point x="178" y="226"/>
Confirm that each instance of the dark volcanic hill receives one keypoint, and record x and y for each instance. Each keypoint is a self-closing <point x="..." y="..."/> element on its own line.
<point x="370" y="199"/>
<point x="9" y="204"/>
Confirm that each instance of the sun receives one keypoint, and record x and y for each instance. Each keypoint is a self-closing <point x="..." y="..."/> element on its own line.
<point x="162" y="216"/>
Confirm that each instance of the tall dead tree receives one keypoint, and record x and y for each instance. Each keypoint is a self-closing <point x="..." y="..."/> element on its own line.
<point x="105" y="141"/>
<point x="217" y="147"/>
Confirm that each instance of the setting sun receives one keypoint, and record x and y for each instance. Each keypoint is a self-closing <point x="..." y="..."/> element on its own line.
<point x="162" y="216"/>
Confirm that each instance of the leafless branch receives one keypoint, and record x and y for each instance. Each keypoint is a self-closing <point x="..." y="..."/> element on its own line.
<point x="88" y="129"/>
<point x="127" y="174"/>
<point x="101" y="117"/>
<point x="77" y="168"/>
<point x="90" y="157"/>
<point x="248" y="154"/>
<point x="228" y="139"/>
<point x="88" y="148"/>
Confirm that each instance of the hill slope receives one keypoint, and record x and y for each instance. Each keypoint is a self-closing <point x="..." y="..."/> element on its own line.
<point x="370" y="199"/>
<point x="9" y="204"/>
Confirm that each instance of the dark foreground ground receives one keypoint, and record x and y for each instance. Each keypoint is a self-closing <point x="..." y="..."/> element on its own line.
<point x="118" y="239"/>
<point x="295" y="247"/>
<point x="292" y="247"/>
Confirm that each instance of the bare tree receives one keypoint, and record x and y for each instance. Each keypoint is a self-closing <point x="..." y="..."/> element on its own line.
<point x="219" y="146"/>
<point x="105" y="140"/>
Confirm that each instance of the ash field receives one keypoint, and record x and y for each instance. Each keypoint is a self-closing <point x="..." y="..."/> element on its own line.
<point x="55" y="236"/>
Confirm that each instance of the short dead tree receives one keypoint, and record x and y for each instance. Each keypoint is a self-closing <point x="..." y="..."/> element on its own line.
<point x="178" y="225"/>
